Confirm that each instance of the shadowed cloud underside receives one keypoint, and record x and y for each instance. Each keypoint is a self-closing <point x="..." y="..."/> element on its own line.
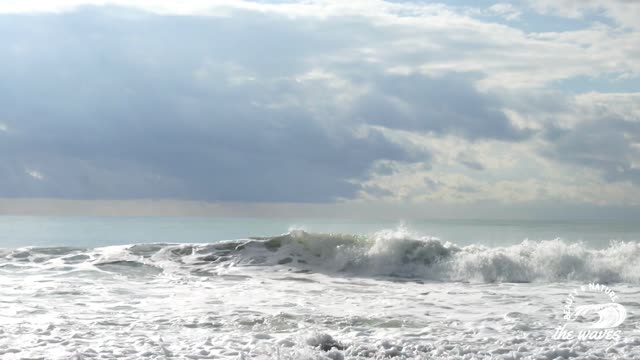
<point x="320" y="102"/>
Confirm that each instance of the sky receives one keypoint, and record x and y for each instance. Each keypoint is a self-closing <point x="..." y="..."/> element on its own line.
<point x="451" y="107"/>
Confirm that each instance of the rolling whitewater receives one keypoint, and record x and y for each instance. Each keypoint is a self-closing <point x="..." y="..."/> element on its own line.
<point x="82" y="288"/>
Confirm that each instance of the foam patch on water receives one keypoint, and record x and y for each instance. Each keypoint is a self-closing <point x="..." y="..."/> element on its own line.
<point x="303" y="295"/>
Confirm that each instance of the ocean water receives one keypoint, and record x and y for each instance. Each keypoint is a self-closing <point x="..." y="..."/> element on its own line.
<point x="241" y="288"/>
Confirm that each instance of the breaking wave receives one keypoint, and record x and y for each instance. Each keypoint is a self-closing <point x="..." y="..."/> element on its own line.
<point x="391" y="253"/>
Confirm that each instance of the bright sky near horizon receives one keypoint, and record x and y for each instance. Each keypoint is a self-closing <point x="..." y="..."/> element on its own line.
<point x="457" y="103"/>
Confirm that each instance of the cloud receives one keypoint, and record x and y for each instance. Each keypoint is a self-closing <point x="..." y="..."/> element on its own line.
<point x="35" y="174"/>
<point x="468" y="161"/>
<point x="310" y="102"/>
<point x="447" y="104"/>
<point x="506" y="10"/>
<point x="623" y="12"/>
<point x="175" y="110"/>
<point x="604" y="136"/>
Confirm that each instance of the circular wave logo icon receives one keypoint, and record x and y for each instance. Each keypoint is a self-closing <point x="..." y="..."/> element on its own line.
<point x="611" y="314"/>
<point x="591" y="321"/>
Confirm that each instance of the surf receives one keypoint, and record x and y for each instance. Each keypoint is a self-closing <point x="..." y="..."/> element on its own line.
<point x="395" y="254"/>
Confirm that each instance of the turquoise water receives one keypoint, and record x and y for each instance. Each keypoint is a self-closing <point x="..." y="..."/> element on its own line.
<point x="18" y="231"/>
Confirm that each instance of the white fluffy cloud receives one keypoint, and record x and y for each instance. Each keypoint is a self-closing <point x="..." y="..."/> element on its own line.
<point x="623" y="12"/>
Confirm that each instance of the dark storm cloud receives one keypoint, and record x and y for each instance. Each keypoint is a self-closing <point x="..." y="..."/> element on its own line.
<point x="116" y="103"/>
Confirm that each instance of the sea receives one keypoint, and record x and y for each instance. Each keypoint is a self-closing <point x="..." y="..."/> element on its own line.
<point x="297" y="288"/>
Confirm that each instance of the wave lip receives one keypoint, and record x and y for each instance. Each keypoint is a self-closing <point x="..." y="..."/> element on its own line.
<point x="388" y="253"/>
<point x="401" y="254"/>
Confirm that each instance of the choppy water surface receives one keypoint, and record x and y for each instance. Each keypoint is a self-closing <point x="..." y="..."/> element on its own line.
<point x="305" y="295"/>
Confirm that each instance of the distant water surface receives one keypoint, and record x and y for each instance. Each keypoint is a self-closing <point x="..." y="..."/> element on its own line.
<point x="18" y="231"/>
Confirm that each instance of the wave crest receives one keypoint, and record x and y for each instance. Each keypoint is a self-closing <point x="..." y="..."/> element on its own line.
<point x="388" y="253"/>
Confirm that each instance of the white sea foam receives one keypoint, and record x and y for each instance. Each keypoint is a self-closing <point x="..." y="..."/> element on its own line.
<point x="308" y="296"/>
<point x="395" y="253"/>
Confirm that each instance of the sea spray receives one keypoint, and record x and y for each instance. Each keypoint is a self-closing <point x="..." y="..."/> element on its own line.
<point x="389" y="253"/>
